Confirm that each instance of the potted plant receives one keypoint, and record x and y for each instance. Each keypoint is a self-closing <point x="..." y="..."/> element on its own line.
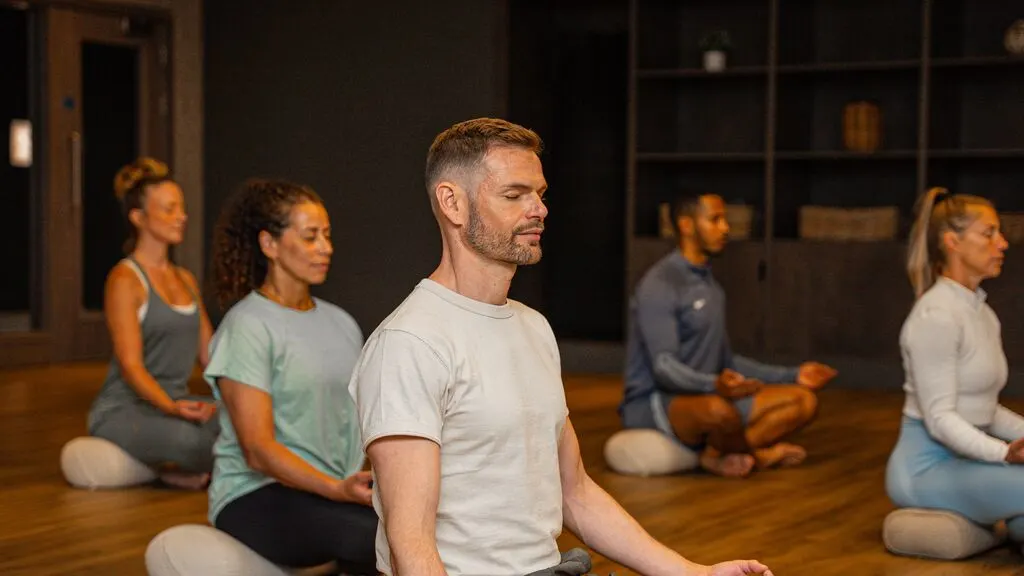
<point x="715" y="45"/>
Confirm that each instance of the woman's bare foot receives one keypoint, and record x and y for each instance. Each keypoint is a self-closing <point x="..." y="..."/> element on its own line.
<point x="782" y="455"/>
<point x="728" y="465"/>
<point x="186" y="480"/>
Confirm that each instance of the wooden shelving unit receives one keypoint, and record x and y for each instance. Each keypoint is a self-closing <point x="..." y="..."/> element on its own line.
<point x="767" y="131"/>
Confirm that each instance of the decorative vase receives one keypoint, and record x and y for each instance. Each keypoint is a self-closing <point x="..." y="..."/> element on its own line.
<point x="1014" y="39"/>
<point x="862" y="127"/>
<point x="714" y="60"/>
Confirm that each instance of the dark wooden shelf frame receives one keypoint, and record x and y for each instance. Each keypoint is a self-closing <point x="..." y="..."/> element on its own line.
<point x="767" y="131"/>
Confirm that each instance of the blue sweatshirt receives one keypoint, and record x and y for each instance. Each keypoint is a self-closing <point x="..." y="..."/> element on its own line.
<point x="677" y="340"/>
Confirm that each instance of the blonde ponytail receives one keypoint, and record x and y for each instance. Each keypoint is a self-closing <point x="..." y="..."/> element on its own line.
<point x="919" y="264"/>
<point x="937" y="212"/>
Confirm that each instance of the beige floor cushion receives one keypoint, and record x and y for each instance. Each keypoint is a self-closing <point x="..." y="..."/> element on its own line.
<point x="94" y="463"/>
<point x="937" y="534"/>
<point x="647" y="452"/>
<point x="199" y="550"/>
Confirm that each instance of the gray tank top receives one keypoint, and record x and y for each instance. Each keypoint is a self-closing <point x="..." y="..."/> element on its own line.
<point x="170" y="344"/>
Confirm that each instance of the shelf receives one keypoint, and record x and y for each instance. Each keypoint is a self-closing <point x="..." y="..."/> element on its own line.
<point x="976" y="108"/>
<point x="813" y="34"/>
<point x="845" y="155"/>
<point x="863" y="66"/>
<point x="669" y="33"/>
<point x="989" y="154"/>
<point x="699" y="156"/>
<point x="677" y="73"/>
<point x="705" y="117"/>
<point x="965" y="30"/>
<point x="978" y="61"/>
<point x="992" y="178"/>
<point x="810" y="109"/>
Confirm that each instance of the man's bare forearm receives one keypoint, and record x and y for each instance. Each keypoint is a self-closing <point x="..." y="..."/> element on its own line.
<point x="412" y="555"/>
<point x="408" y="482"/>
<point x="598" y="520"/>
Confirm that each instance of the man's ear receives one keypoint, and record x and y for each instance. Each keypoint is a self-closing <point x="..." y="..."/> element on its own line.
<point x="452" y="202"/>
<point x="685" y="225"/>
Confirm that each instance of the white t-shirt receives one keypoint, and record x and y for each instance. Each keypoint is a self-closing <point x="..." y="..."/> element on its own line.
<point x="484" y="383"/>
<point x="955" y="368"/>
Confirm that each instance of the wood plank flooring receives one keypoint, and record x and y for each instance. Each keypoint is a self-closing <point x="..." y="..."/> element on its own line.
<point x="822" y="519"/>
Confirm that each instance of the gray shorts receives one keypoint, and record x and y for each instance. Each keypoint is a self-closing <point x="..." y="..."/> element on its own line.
<point x="652" y="412"/>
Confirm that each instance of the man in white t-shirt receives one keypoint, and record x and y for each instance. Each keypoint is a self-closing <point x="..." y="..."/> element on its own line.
<point x="460" y="398"/>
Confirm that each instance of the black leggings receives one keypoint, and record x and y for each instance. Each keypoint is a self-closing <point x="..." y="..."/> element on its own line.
<point x="298" y="529"/>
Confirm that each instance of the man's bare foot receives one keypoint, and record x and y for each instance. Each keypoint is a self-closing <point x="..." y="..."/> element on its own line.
<point x="782" y="455"/>
<point x="728" y="465"/>
<point x="186" y="480"/>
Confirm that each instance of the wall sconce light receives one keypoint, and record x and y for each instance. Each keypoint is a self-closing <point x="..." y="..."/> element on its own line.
<point x="21" y="143"/>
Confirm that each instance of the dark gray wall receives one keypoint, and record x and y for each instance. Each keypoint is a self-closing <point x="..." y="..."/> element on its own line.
<point x="347" y="97"/>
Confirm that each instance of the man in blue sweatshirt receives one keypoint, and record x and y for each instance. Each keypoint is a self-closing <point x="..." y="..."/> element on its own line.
<point x="682" y="377"/>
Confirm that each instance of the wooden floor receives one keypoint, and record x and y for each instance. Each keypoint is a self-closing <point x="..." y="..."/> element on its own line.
<point x="822" y="519"/>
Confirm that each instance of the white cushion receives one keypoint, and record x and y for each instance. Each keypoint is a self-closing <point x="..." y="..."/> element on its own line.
<point x="937" y="534"/>
<point x="198" y="550"/>
<point x="89" y="462"/>
<point x="648" y="452"/>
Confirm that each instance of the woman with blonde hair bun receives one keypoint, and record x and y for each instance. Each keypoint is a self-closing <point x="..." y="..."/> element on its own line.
<point x="959" y="449"/>
<point x="159" y="329"/>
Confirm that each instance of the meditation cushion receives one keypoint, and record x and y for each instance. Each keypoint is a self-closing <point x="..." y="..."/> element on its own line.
<point x="648" y="452"/>
<point x="198" y="550"/>
<point x="92" y="463"/>
<point x="937" y="534"/>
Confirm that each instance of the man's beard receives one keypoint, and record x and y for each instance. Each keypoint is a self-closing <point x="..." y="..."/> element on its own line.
<point x="706" y="249"/>
<point x="497" y="246"/>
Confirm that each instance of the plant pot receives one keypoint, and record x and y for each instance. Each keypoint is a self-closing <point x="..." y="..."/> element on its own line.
<point x="714" y="60"/>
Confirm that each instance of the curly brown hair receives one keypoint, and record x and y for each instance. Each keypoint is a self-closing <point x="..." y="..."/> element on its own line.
<point x="239" y="265"/>
<point x="130" y="185"/>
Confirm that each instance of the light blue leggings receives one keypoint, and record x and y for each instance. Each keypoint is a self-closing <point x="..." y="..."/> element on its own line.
<point x="922" y="473"/>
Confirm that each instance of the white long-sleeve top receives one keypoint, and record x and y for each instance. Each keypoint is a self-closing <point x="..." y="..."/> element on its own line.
<point x="955" y="369"/>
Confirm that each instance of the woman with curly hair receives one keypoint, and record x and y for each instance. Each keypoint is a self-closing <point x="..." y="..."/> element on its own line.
<point x="159" y="329"/>
<point x="287" y="481"/>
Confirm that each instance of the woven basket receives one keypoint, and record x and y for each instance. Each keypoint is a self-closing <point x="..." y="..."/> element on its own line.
<point x="849" y="224"/>
<point x="1012" y="225"/>
<point x="741" y="219"/>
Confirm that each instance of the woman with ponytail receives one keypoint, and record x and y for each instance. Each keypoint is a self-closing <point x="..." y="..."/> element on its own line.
<point x="287" y="480"/>
<point x="959" y="449"/>
<point x="159" y="329"/>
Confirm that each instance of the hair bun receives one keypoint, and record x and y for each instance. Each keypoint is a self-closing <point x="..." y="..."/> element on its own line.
<point x="143" y="168"/>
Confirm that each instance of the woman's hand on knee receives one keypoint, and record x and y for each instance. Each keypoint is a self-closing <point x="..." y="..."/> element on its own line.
<point x="356" y="488"/>
<point x="194" y="410"/>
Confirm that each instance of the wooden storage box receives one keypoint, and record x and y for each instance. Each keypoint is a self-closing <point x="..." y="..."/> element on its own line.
<point x="849" y="224"/>
<point x="1012" y="226"/>
<point x="740" y="218"/>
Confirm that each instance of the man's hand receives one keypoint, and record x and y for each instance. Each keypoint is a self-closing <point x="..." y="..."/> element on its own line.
<point x="739" y="568"/>
<point x="1015" y="455"/>
<point x="815" y="375"/>
<point x="733" y="385"/>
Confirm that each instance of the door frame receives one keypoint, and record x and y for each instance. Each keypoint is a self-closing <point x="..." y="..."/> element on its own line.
<point x="83" y="333"/>
<point x="186" y="156"/>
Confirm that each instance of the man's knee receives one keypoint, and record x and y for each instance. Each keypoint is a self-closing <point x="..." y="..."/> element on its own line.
<point x="722" y="414"/>
<point x="807" y="400"/>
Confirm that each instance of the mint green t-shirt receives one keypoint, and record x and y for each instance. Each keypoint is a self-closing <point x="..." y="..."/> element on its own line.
<point x="303" y="359"/>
